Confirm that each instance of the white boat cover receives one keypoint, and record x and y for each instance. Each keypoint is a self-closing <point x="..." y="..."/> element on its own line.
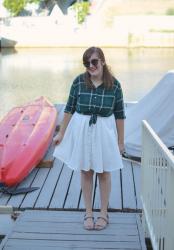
<point x="157" y="108"/>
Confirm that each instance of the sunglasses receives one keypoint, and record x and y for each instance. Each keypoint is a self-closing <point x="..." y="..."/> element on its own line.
<point x="94" y="62"/>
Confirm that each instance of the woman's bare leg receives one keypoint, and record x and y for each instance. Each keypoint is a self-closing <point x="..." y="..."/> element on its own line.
<point x="87" y="187"/>
<point x="105" y="189"/>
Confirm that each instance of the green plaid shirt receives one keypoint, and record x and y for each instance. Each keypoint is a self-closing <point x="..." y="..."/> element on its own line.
<point x="95" y="101"/>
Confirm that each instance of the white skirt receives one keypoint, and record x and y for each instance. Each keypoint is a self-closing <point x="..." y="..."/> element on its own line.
<point x="92" y="147"/>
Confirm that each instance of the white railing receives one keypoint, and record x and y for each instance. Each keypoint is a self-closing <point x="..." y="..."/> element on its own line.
<point x="157" y="189"/>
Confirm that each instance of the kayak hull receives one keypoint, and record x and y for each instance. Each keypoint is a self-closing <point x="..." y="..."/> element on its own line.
<point x="25" y="135"/>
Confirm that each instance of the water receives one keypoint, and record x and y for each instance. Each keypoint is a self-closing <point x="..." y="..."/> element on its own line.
<point x="26" y="74"/>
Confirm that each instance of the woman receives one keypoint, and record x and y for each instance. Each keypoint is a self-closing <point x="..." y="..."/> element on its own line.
<point x="91" y="136"/>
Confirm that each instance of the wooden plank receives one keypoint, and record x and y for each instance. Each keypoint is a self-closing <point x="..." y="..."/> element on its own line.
<point x="120" y="229"/>
<point x="72" y="216"/>
<point x="55" y="229"/>
<point x="4" y="199"/>
<point x="73" y="244"/>
<point x="115" y="201"/>
<point x="128" y="190"/>
<point x="81" y="204"/>
<point x="75" y="237"/>
<point x="30" y="198"/>
<point x="73" y="196"/>
<point x="61" y="189"/>
<point x="68" y="228"/>
<point x="16" y="200"/>
<point x="48" y="159"/>
<point x="141" y="233"/>
<point x="53" y="248"/>
<point x="47" y="191"/>
<point x="96" y="193"/>
<point x="62" y="227"/>
<point x="64" y="222"/>
<point x="10" y="247"/>
<point x="67" y="224"/>
<point x="137" y="180"/>
<point x="45" y="164"/>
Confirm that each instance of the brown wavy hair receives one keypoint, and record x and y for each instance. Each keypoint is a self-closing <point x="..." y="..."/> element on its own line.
<point x="108" y="79"/>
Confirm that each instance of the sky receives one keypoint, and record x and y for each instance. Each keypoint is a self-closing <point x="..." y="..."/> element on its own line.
<point x="3" y="11"/>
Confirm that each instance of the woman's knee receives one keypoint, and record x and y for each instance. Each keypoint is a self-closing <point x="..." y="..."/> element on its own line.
<point x="105" y="176"/>
<point x="87" y="174"/>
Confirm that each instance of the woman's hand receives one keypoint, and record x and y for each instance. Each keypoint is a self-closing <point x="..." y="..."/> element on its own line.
<point x="120" y="131"/>
<point x="121" y="148"/>
<point x="58" y="138"/>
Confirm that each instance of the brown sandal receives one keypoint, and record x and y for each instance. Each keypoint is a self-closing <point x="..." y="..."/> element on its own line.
<point x="88" y="227"/>
<point x="99" y="227"/>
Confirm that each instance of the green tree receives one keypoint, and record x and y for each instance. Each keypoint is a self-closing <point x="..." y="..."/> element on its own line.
<point x="16" y="6"/>
<point x="82" y="10"/>
<point x="170" y="11"/>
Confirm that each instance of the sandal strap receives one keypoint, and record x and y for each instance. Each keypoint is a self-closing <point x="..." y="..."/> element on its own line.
<point x="106" y="219"/>
<point x="88" y="217"/>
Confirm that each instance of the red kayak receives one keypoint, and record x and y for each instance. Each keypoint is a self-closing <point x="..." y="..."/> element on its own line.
<point x="25" y="135"/>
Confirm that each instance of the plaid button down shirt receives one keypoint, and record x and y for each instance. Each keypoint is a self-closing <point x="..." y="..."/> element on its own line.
<point x="95" y="101"/>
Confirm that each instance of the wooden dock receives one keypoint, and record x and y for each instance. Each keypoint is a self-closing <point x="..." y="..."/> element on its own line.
<point x="59" y="189"/>
<point x="52" y="215"/>
<point x="36" y="230"/>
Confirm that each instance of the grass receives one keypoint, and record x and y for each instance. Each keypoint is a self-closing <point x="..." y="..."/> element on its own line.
<point x="170" y="12"/>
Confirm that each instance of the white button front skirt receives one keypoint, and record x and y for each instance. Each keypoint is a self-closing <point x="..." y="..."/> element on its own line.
<point x="92" y="147"/>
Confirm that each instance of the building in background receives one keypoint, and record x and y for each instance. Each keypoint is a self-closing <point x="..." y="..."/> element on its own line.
<point x="118" y="23"/>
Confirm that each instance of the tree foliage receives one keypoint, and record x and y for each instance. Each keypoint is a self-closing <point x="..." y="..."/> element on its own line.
<point x="16" y="6"/>
<point x="82" y="10"/>
<point x="170" y="11"/>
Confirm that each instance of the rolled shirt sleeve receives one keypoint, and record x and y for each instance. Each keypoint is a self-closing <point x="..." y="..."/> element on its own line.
<point x="72" y="100"/>
<point x="119" y="111"/>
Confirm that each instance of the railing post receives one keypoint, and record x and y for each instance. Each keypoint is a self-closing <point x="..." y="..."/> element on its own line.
<point x="170" y="211"/>
<point x="157" y="189"/>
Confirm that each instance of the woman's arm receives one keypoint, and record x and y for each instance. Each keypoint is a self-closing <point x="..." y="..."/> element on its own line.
<point x="66" y="119"/>
<point x="68" y="112"/>
<point x="120" y="131"/>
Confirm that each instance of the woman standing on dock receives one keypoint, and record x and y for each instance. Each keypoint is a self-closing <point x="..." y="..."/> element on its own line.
<point x="91" y="136"/>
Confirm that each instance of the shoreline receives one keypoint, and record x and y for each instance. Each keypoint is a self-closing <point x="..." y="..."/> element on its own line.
<point x="126" y="32"/>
